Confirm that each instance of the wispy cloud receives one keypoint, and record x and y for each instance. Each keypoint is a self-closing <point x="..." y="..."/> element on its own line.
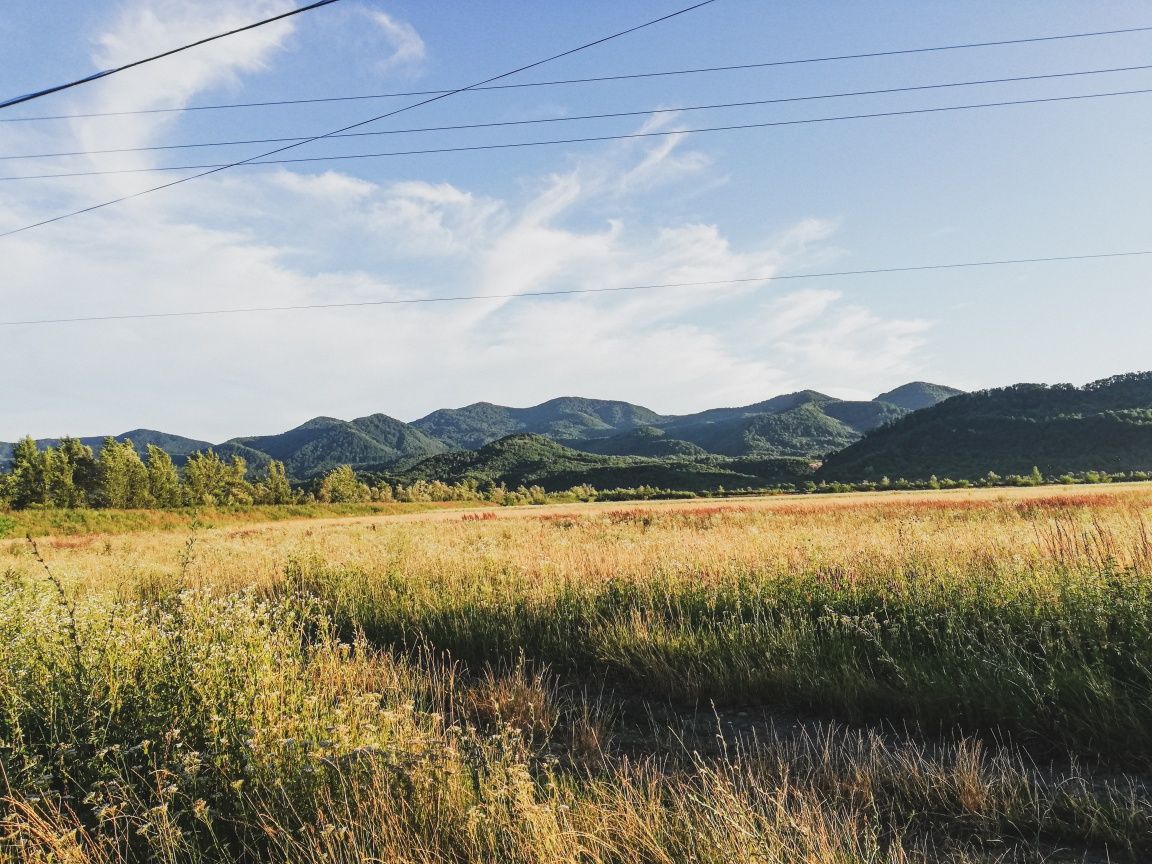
<point x="408" y="49"/>
<point x="287" y="238"/>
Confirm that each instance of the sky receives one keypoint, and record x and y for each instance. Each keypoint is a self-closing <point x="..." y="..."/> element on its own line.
<point x="1063" y="178"/>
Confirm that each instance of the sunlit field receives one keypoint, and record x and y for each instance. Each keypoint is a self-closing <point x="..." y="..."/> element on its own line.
<point x="952" y="676"/>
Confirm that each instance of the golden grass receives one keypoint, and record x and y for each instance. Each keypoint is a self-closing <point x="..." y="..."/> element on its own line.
<point x="451" y="687"/>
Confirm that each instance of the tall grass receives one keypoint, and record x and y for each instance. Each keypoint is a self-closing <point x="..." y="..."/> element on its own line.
<point x="486" y="690"/>
<point x="1052" y="647"/>
<point x="82" y="521"/>
<point x="233" y="729"/>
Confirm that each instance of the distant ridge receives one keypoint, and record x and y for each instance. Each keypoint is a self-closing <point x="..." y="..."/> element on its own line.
<point x="912" y="432"/>
<point x="917" y="395"/>
<point x="804" y="425"/>
<point x="1103" y="426"/>
<point x="568" y="417"/>
<point x="325" y="442"/>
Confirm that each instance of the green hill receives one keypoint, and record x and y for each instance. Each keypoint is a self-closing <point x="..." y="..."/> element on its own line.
<point x="641" y="441"/>
<point x="324" y="442"/>
<point x="803" y="431"/>
<point x="917" y="395"/>
<point x="257" y="461"/>
<point x="863" y="417"/>
<point x="1104" y="426"/>
<point x="775" y="405"/>
<point x="567" y="418"/>
<point x="803" y="425"/>
<point x="527" y="460"/>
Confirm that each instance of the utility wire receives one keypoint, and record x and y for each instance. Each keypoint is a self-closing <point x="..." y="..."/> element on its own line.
<point x="219" y="168"/>
<point x="593" y="80"/>
<point x="28" y="97"/>
<point x="410" y="301"/>
<point x="589" y="139"/>
<point x="569" y="119"/>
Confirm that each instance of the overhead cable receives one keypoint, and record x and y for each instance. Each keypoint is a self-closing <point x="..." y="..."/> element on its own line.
<point x="47" y="91"/>
<point x="257" y="161"/>
<point x="411" y="301"/>
<point x="578" y="117"/>
<point x="592" y="80"/>
<point x="218" y="168"/>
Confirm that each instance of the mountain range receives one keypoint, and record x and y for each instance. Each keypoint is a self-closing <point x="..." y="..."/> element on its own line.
<point x="913" y="432"/>
<point x="805" y="425"/>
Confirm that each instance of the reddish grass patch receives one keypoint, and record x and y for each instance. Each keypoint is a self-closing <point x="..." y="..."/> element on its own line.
<point x="79" y="541"/>
<point x="486" y="516"/>
<point x="1065" y="502"/>
<point x="702" y="512"/>
<point x="560" y="520"/>
<point x="634" y="516"/>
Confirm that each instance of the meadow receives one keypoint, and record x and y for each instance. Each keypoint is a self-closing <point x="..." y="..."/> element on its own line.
<point x="958" y="676"/>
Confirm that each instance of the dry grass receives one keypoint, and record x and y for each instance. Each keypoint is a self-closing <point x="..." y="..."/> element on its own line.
<point x="436" y="688"/>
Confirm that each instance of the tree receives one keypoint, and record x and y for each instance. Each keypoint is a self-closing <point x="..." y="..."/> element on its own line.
<point x="341" y="486"/>
<point x="275" y="488"/>
<point x="60" y="489"/>
<point x="383" y="492"/>
<point x="85" y="470"/>
<point x="70" y="473"/>
<point x="5" y="491"/>
<point x="237" y="490"/>
<point x="210" y="480"/>
<point x="203" y="477"/>
<point x="29" y="486"/>
<point x="163" y="479"/>
<point x="123" y="476"/>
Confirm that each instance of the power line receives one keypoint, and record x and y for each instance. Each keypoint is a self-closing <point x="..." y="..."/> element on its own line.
<point x="28" y="97"/>
<point x="611" y="115"/>
<point x="219" y="168"/>
<point x="920" y="268"/>
<point x="592" y="80"/>
<point x="556" y="141"/>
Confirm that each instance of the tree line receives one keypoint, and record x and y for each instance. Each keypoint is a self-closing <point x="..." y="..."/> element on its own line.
<point x="71" y="474"/>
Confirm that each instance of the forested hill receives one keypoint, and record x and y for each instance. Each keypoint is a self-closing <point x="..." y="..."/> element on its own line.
<point x="1103" y="426"/>
<point x="173" y="445"/>
<point x="805" y="425"/>
<point x="526" y="460"/>
<point x="325" y="442"/>
<point x="568" y="417"/>
<point x="912" y="433"/>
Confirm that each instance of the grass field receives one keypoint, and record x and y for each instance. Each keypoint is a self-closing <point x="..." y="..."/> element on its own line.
<point x="80" y="521"/>
<point x="894" y="677"/>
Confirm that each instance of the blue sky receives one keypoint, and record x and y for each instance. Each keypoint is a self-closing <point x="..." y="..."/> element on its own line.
<point x="1012" y="182"/>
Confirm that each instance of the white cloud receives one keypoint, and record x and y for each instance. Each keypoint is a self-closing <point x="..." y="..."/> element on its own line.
<point x="408" y="50"/>
<point x="434" y="219"/>
<point x="138" y="28"/>
<point x="331" y="187"/>
<point x="287" y="238"/>
<point x="851" y="342"/>
<point x="789" y="313"/>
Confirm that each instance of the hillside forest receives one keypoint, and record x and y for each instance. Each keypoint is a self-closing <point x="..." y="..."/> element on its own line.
<point x="919" y="436"/>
